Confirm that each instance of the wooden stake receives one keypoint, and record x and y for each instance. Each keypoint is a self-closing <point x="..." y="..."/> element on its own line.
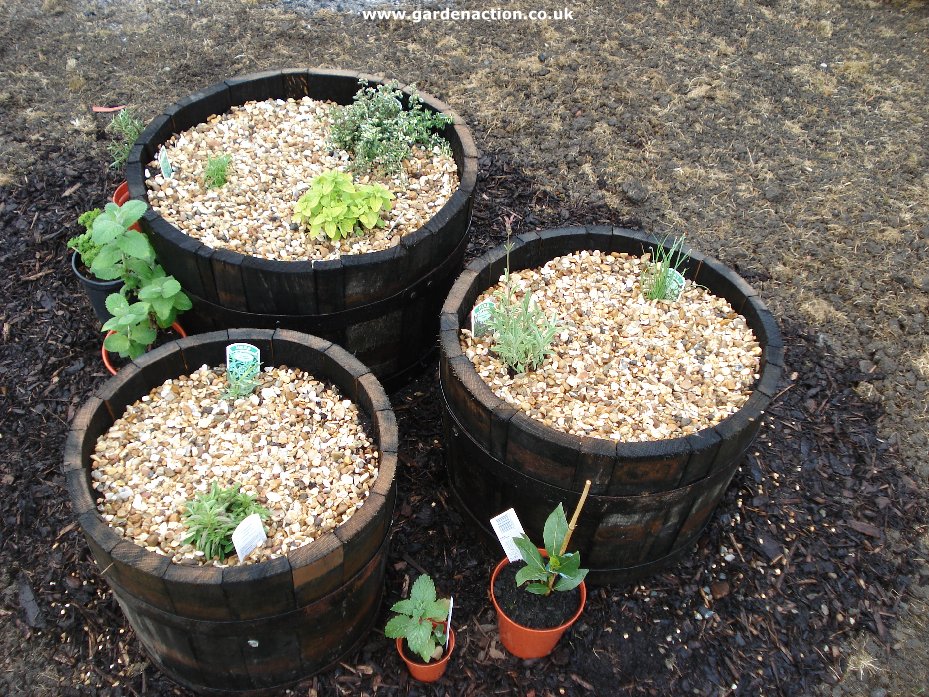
<point x="571" y="526"/>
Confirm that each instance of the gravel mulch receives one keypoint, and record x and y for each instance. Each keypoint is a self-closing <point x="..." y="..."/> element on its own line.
<point x="276" y="147"/>
<point x="295" y="444"/>
<point x="622" y="367"/>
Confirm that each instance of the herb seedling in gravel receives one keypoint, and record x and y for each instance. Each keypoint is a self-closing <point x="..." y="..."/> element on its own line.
<point x="336" y="207"/>
<point x="420" y="619"/>
<point x="660" y="277"/>
<point x="126" y="128"/>
<point x="216" y="172"/>
<point x="213" y="516"/>
<point x="522" y="333"/>
<point x="380" y="134"/>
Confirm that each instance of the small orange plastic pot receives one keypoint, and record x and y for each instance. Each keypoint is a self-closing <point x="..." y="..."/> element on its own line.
<point x="427" y="672"/>
<point x="106" y="354"/>
<point x="525" y="642"/>
<point x="120" y="196"/>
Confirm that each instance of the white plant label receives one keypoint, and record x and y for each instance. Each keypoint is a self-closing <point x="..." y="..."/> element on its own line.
<point x="448" y="622"/>
<point x="480" y="316"/>
<point x="167" y="171"/>
<point x="248" y="536"/>
<point x="243" y="362"/>
<point x="507" y="526"/>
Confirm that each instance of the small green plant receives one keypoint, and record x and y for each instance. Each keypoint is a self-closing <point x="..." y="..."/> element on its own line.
<point x="240" y="387"/>
<point x="216" y="172"/>
<point x="212" y="517"/>
<point x="149" y="297"/>
<point x="522" y="333"/>
<point x="83" y="243"/>
<point x="660" y="279"/>
<point x="420" y="619"/>
<point x="127" y="129"/>
<point x="380" y="133"/>
<point x="561" y="570"/>
<point x="335" y="207"/>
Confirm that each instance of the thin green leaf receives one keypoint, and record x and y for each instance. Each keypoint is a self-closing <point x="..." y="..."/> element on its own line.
<point x="529" y="553"/>
<point x="556" y="528"/>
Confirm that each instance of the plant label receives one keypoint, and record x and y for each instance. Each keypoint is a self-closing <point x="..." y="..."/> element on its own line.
<point x="248" y="536"/>
<point x="243" y="362"/>
<point x="507" y="526"/>
<point x="448" y="622"/>
<point x="167" y="171"/>
<point x="480" y="316"/>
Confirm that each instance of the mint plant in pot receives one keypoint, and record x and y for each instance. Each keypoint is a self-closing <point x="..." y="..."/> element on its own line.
<point x="149" y="298"/>
<point x="425" y="640"/>
<point x="538" y="599"/>
<point x="84" y="251"/>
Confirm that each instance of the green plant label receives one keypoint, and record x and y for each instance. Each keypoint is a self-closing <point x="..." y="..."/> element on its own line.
<point x="167" y="171"/>
<point x="248" y="535"/>
<point x="674" y="284"/>
<point x="480" y="317"/>
<point x="507" y="526"/>
<point x="243" y="362"/>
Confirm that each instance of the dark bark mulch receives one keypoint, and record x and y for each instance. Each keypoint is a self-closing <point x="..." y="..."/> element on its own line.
<point x="811" y="544"/>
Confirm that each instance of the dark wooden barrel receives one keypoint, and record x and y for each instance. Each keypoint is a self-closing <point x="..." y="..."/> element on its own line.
<point x="248" y="629"/>
<point x="382" y="306"/>
<point x="649" y="501"/>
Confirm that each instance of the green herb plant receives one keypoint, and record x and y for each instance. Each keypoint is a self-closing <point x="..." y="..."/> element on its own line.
<point x="380" y="133"/>
<point x="212" y="517"/>
<point x="561" y="570"/>
<point x="239" y="387"/>
<point x="127" y="128"/>
<point x="336" y="207"/>
<point x="216" y="172"/>
<point x="523" y="335"/>
<point x="658" y="279"/>
<point x="420" y="619"/>
<point x="149" y="297"/>
<point x="83" y="243"/>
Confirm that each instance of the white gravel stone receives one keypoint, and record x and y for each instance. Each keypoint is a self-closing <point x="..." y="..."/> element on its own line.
<point x="623" y="367"/>
<point x="299" y="446"/>
<point x="276" y="148"/>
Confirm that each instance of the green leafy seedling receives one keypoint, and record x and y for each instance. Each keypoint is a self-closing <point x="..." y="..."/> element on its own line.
<point x="127" y="129"/>
<point x="380" y="133"/>
<point x="212" y="517"/>
<point x="216" y="173"/>
<point x="420" y="620"/>
<point x="336" y="207"/>
<point x="561" y="570"/>
<point x="658" y="279"/>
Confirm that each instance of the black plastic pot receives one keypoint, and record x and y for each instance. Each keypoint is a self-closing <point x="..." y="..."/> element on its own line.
<point x="97" y="290"/>
<point x="381" y="306"/>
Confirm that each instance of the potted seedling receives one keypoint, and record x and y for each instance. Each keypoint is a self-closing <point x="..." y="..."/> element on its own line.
<point x="425" y="639"/>
<point x="83" y="255"/>
<point x="149" y="298"/>
<point x="661" y="278"/>
<point x="537" y="601"/>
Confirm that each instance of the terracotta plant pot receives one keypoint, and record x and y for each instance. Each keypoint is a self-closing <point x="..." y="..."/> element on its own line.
<point x="106" y="354"/>
<point x="525" y="642"/>
<point x="427" y="672"/>
<point x="120" y="196"/>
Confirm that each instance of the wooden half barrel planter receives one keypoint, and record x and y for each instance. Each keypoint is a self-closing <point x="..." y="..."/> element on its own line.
<point x="649" y="500"/>
<point x="247" y="629"/>
<point x="381" y="306"/>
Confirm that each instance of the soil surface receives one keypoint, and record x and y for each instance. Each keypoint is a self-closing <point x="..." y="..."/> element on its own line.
<point x="529" y="609"/>
<point x="785" y="137"/>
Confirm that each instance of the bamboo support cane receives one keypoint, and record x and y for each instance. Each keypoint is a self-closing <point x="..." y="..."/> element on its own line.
<point x="571" y="526"/>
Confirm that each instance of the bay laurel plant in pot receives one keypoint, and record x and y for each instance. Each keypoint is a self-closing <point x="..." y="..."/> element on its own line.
<point x="425" y="639"/>
<point x="149" y="298"/>
<point x="538" y="599"/>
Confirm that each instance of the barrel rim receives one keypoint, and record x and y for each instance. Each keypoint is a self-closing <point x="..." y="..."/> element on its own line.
<point x="541" y="246"/>
<point x="145" y="147"/>
<point x="76" y="469"/>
